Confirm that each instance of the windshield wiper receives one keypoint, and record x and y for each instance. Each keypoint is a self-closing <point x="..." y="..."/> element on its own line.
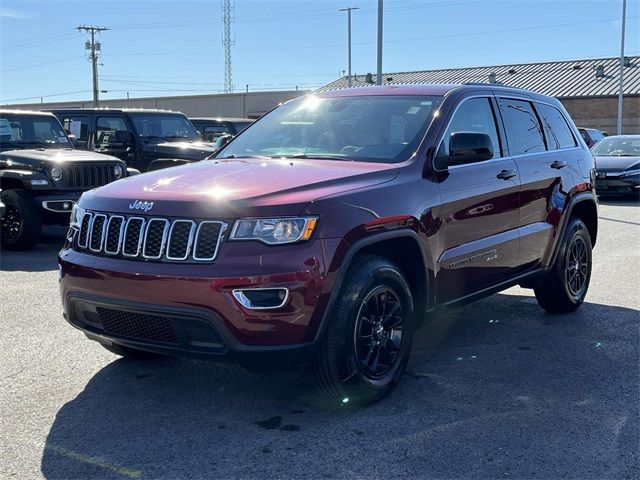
<point x="315" y="157"/>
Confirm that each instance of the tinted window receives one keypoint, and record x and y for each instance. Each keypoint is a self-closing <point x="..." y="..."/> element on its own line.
<point x="77" y="126"/>
<point x="23" y="130"/>
<point x="110" y="130"/>
<point x="473" y="115"/>
<point x="558" y="132"/>
<point x="213" y="132"/>
<point x="163" y="127"/>
<point x="524" y="133"/>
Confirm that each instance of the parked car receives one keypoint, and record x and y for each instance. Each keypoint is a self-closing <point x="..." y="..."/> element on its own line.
<point x="145" y="139"/>
<point x="213" y="128"/>
<point x="618" y="165"/>
<point x="42" y="176"/>
<point x="591" y="136"/>
<point x="329" y="230"/>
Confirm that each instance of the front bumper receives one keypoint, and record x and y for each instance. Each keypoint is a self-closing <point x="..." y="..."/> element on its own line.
<point x="195" y="305"/>
<point x="617" y="183"/>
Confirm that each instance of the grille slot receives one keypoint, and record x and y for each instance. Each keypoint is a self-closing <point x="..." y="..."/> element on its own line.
<point x="156" y="239"/>
<point x="89" y="176"/>
<point x="97" y="232"/>
<point x="207" y="240"/>
<point x="180" y="239"/>
<point x="115" y="231"/>
<point x="137" y="325"/>
<point x="133" y="237"/>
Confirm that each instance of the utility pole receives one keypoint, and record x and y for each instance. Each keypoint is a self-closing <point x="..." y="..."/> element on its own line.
<point x="620" y="94"/>
<point x="227" y="41"/>
<point x="348" y="10"/>
<point x="380" y="11"/>
<point x="94" y="51"/>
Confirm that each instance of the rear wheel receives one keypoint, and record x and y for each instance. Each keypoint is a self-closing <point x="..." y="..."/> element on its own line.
<point x="130" y="353"/>
<point x="368" y="339"/>
<point x="22" y="223"/>
<point x="564" y="288"/>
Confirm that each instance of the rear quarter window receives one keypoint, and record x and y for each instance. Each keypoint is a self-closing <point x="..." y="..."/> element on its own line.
<point x="556" y="128"/>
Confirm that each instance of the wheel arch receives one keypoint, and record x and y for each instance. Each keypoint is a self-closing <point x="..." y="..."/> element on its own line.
<point x="401" y="247"/>
<point x="585" y="207"/>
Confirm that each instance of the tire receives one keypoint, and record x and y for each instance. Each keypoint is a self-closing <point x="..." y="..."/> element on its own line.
<point x="131" y="353"/>
<point x="565" y="286"/>
<point x="345" y="367"/>
<point x="21" y="224"/>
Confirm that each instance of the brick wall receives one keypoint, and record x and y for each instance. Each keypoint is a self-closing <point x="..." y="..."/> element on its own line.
<point x="602" y="113"/>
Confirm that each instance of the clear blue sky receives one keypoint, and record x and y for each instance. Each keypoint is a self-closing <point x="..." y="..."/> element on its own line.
<point x="161" y="47"/>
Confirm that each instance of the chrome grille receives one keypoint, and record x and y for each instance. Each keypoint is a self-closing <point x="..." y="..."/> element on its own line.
<point x="88" y="175"/>
<point x="156" y="239"/>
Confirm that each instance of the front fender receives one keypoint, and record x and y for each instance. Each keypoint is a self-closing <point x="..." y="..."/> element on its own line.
<point x="12" y="178"/>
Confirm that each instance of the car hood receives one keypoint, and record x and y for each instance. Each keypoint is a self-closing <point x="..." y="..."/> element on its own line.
<point x="616" y="164"/>
<point x="53" y="155"/>
<point x="186" y="150"/>
<point x="229" y="188"/>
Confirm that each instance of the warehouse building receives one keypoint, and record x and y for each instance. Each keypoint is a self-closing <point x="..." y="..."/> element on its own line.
<point x="587" y="88"/>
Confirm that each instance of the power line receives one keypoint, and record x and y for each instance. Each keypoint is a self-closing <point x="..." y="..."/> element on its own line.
<point x="35" y="65"/>
<point x="44" y="96"/>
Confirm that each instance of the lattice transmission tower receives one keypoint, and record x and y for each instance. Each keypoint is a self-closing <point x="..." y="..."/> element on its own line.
<point x="227" y="41"/>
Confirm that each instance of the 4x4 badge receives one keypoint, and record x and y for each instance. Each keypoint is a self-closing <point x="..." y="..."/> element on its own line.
<point x="140" y="205"/>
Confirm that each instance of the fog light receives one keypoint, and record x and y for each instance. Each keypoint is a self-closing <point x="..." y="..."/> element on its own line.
<point x="262" y="298"/>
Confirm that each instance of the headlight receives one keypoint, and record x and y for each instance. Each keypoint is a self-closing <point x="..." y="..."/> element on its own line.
<point x="76" y="216"/>
<point x="274" y="231"/>
<point x="118" y="171"/>
<point x="56" y="173"/>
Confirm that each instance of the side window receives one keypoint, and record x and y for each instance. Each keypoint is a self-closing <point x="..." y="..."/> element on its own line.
<point x="524" y="133"/>
<point x="78" y="126"/>
<point x="213" y="132"/>
<point x="111" y="130"/>
<point x="555" y="126"/>
<point x="473" y="115"/>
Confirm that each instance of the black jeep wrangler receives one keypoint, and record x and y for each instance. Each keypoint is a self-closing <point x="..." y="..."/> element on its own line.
<point x="145" y="139"/>
<point x="42" y="175"/>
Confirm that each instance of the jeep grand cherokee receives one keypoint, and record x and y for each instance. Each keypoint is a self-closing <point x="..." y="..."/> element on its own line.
<point x="333" y="226"/>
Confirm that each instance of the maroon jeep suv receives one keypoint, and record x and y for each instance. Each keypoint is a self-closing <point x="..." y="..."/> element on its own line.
<point x="326" y="232"/>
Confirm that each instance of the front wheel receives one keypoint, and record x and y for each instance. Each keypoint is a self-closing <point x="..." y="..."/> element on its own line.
<point x="21" y="224"/>
<point x="565" y="286"/>
<point x="369" y="335"/>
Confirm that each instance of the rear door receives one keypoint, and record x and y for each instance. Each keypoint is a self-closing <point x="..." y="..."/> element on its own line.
<point x="536" y="142"/>
<point x="479" y="207"/>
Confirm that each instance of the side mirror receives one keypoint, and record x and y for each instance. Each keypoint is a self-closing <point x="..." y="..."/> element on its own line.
<point x="222" y="141"/>
<point x="469" y="147"/>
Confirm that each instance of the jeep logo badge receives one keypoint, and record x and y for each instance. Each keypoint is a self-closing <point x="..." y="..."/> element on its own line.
<point x="140" y="205"/>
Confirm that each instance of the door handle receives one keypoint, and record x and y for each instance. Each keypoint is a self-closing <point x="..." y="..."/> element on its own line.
<point x="558" y="164"/>
<point x="507" y="174"/>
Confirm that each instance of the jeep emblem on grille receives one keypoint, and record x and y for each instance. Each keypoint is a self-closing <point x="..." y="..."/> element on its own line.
<point x="140" y="205"/>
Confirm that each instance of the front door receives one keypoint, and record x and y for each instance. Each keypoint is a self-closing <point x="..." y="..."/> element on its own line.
<point x="113" y="137"/>
<point x="478" y="239"/>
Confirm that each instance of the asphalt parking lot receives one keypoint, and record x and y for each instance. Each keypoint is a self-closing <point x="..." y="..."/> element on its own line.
<point x="497" y="389"/>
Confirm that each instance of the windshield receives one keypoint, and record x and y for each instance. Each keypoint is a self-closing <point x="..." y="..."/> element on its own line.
<point x="164" y="127"/>
<point x="384" y="129"/>
<point x="618" y="147"/>
<point x="31" y="131"/>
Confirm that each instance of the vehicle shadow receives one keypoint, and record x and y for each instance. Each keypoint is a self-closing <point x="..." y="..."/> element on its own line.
<point x="42" y="258"/>
<point x="620" y="201"/>
<point x="490" y="388"/>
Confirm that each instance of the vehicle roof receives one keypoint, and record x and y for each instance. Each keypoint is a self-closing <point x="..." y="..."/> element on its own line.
<point x="435" y="89"/>
<point x="628" y="135"/>
<point x="221" y="119"/>
<point x="25" y="112"/>
<point x="113" y="110"/>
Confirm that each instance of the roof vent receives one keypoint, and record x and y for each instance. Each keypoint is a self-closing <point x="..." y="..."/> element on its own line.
<point x="389" y="79"/>
<point x="492" y="77"/>
<point x="577" y="67"/>
<point x="627" y="62"/>
<point x="512" y="71"/>
<point x="600" y="71"/>
<point x="369" y="78"/>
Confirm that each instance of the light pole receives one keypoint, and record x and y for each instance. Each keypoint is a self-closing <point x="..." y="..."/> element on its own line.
<point x="380" y="11"/>
<point x="348" y="10"/>
<point x="620" y="94"/>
